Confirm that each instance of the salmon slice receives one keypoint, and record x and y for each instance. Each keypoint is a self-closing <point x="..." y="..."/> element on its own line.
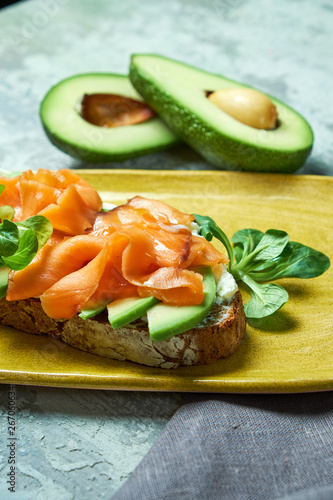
<point x="203" y="253"/>
<point x="123" y="216"/>
<point x="171" y="249"/>
<point x="58" y="258"/>
<point x="89" y="195"/>
<point x="68" y="295"/>
<point x="139" y="216"/>
<point x="66" y="199"/>
<point x="70" y="214"/>
<point x="65" y="298"/>
<point x="11" y="194"/>
<point x="61" y="179"/>
<point x="165" y="283"/>
<point x="99" y="280"/>
<point x="179" y="287"/>
<point x="142" y="248"/>
<point x="133" y="254"/>
<point x="51" y="178"/>
<point x="162" y="212"/>
<point x="111" y="286"/>
<point x="35" y="197"/>
<point x="107" y="222"/>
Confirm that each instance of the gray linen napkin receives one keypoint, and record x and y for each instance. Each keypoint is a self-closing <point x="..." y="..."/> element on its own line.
<point x="241" y="447"/>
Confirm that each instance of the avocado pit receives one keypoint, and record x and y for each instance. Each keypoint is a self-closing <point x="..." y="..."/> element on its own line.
<point x="113" y="110"/>
<point x="248" y="106"/>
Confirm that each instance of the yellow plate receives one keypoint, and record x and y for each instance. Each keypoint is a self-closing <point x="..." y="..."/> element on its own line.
<point x="292" y="351"/>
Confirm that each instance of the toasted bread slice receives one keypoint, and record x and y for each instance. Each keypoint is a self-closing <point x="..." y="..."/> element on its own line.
<point x="217" y="336"/>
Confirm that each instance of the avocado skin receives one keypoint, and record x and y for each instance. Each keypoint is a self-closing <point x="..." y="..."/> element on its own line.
<point x="221" y="151"/>
<point x="94" y="154"/>
<point x="84" y="154"/>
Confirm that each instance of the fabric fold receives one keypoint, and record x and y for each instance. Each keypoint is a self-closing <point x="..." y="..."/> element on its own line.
<point x="241" y="447"/>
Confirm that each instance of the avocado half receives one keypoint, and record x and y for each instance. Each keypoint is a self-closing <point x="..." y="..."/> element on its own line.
<point x="67" y="130"/>
<point x="177" y="92"/>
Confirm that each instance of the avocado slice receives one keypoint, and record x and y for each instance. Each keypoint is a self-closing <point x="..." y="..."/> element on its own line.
<point x="61" y="116"/>
<point x="91" y="313"/>
<point x="4" y="272"/>
<point x="178" y="93"/>
<point x="165" y="321"/>
<point x="121" y="312"/>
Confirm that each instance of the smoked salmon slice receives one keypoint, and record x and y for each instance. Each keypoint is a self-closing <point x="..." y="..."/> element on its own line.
<point x="61" y="179"/>
<point x="67" y="200"/>
<point x="34" y="199"/>
<point x="119" y="257"/>
<point x="70" y="214"/>
<point x="177" y="287"/>
<point x="11" y="194"/>
<point x="141" y="248"/>
<point x="65" y="298"/>
<point x="58" y="258"/>
<point x="161" y="211"/>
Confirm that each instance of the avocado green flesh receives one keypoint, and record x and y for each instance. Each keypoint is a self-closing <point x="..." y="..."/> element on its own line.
<point x="90" y="313"/>
<point x="165" y="321"/>
<point x="177" y="93"/>
<point x="4" y="272"/>
<point x="67" y="130"/>
<point x="121" y="312"/>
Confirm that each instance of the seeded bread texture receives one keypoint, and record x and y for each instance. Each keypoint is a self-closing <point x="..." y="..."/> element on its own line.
<point x="218" y="336"/>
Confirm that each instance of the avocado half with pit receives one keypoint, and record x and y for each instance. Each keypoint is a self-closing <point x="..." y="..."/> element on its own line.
<point x="178" y="93"/>
<point x="101" y="118"/>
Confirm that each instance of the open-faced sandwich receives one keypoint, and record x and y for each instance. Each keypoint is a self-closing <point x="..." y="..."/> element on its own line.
<point x="135" y="282"/>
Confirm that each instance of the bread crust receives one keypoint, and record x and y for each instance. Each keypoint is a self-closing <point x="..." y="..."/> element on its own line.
<point x="218" y="336"/>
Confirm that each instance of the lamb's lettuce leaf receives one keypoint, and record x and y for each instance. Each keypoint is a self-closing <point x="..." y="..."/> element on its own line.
<point x="258" y="257"/>
<point x="20" y="241"/>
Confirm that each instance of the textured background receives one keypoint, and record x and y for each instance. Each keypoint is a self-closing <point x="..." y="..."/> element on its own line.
<point x="283" y="48"/>
<point x="78" y="443"/>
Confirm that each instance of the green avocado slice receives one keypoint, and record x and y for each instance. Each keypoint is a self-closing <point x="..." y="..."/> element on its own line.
<point x="177" y="92"/>
<point x="60" y="115"/>
<point x="4" y="272"/>
<point x="165" y="321"/>
<point x="121" y="312"/>
<point x="91" y="313"/>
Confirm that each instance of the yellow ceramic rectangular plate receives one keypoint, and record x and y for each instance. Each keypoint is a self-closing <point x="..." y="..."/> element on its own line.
<point x="291" y="351"/>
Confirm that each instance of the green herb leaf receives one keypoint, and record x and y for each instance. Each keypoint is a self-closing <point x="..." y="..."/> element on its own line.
<point x="6" y="212"/>
<point x="246" y="240"/>
<point x="41" y="226"/>
<point x="9" y="238"/>
<point x="209" y="228"/>
<point x="257" y="246"/>
<point x="27" y="249"/>
<point x="261" y="257"/>
<point x="265" y="299"/>
<point x="296" y="261"/>
<point x="271" y="244"/>
<point x="20" y="241"/>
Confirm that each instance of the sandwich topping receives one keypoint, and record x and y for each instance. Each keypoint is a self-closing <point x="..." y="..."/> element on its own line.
<point x="143" y="248"/>
<point x="58" y="244"/>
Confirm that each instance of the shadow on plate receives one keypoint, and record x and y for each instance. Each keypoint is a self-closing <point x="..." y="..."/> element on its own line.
<point x="180" y="157"/>
<point x="279" y="322"/>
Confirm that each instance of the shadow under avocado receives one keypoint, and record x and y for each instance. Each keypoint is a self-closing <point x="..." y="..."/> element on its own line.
<point x="180" y="157"/>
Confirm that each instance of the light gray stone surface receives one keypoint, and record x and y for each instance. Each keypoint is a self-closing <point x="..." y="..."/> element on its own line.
<point x="283" y="48"/>
<point x="79" y="443"/>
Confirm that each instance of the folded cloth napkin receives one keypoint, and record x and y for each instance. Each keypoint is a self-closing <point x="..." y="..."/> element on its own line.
<point x="241" y="447"/>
